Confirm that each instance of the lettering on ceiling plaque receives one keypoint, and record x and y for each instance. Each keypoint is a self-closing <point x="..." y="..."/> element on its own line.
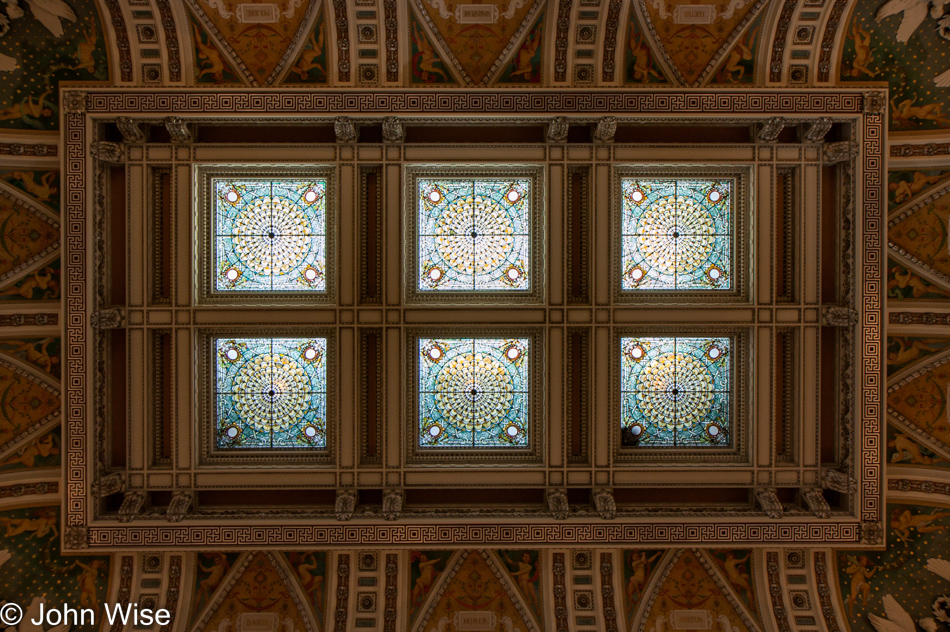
<point x="258" y="13"/>
<point x="474" y="621"/>
<point x="476" y="14"/>
<point x="690" y="619"/>
<point x="694" y="14"/>
<point x="257" y="622"/>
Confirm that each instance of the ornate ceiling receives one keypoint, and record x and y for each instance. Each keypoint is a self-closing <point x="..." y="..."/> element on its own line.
<point x="490" y="45"/>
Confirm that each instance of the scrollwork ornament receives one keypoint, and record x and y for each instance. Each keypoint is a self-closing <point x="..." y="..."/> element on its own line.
<point x="816" y="503"/>
<point x="74" y="101"/>
<point x="392" y="503"/>
<point x="104" y="151"/>
<point x="345" y="504"/>
<point x="817" y="130"/>
<point x="178" y="129"/>
<point x="605" y="130"/>
<point x="872" y="533"/>
<point x="771" y="129"/>
<point x="76" y="537"/>
<point x="769" y="502"/>
<point x="557" y="130"/>
<point x="108" y="319"/>
<point x="557" y="503"/>
<point x="129" y="127"/>
<point x="875" y="102"/>
<point x="132" y="504"/>
<point x="605" y="504"/>
<point x="179" y="506"/>
<point x="392" y="130"/>
<point x="344" y="129"/>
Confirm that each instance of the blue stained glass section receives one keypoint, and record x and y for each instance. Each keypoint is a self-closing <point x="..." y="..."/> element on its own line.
<point x="270" y="393"/>
<point x="675" y="392"/>
<point x="676" y="234"/>
<point x="270" y="235"/>
<point x="473" y="393"/>
<point x="474" y="235"/>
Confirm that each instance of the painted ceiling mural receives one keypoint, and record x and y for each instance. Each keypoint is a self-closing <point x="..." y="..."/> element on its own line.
<point x="505" y="43"/>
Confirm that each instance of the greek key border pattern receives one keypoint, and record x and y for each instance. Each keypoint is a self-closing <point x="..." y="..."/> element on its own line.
<point x="107" y="103"/>
<point x="76" y="373"/>
<point x="872" y="313"/>
<point x="333" y="535"/>
<point x="519" y="102"/>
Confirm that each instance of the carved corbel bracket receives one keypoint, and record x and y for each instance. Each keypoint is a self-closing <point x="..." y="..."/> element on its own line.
<point x="557" y="503"/>
<point x="392" y="130"/>
<point x="815" y="502"/>
<point x="838" y="481"/>
<point x="131" y="506"/>
<point x="771" y="129"/>
<point x="109" y="484"/>
<point x="344" y="129"/>
<point x="605" y="504"/>
<point x="392" y="503"/>
<point x="816" y="131"/>
<point x="605" y="130"/>
<point x="345" y="504"/>
<point x="179" y="506"/>
<point x="838" y="316"/>
<point x="769" y="502"/>
<point x="178" y="129"/>
<point x="557" y="130"/>
<point x="129" y="127"/>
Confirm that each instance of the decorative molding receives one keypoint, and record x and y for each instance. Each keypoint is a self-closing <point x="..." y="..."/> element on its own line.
<point x="104" y="151"/>
<point x="29" y="149"/>
<point x="780" y="41"/>
<point x="342" y="24"/>
<point x="918" y="318"/>
<point x="875" y="102"/>
<point x="838" y="481"/>
<point x="125" y="587"/>
<point x="926" y="149"/>
<point x="391" y="22"/>
<point x="344" y="129"/>
<point x="390" y="611"/>
<point x="342" y="589"/>
<point x="828" y="40"/>
<point x="171" y="40"/>
<point x="29" y="489"/>
<point x="109" y="484"/>
<point x="611" y="25"/>
<point x="918" y="486"/>
<point x="560" y="593"/>
<point x="609" y="609"/>
<point x="121" y="39"/>
<point x="132" y="504"/>
<point x="824" y="593"/>
<point x="108" y="319"/>
<point x="173" y="593"/>
<point x="561" y="43"/>
<point x="345" y="504"/>
<point x="843" y="151"/>
<point x="180" y="505"/>
<point x="776" y="591"/>
<point x="838" y="316"/>
<point x="28" y="320"/>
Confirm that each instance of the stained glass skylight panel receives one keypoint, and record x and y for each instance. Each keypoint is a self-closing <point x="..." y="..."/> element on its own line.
<point x="473" y="392"/>
<point x="676" y="234"/>
<point x="675" y="392"/>
<point x="270" y="393"/>
<point x="269" y="235"/>
<point x="474" y="235"/>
